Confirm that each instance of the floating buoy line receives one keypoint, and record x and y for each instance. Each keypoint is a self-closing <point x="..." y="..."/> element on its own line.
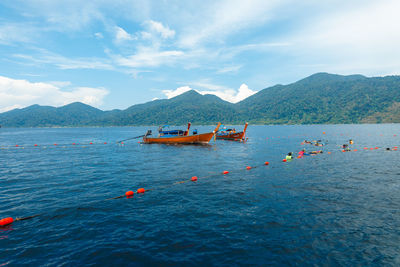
<point x="6" y="222"/>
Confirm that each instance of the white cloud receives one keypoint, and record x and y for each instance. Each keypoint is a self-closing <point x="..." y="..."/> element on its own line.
<point x="45" y="57"/>
<point x="121" y="35"/>
<point x="353" y="39"/>
<point x="222" y="92"/>
<point x="21" y="93"/>
<point x="228" y="69"/>
<point x="224" y="18"/>
<point x="159" y="28"/>
<point x="149" y="57"/>
<point x="99" y="35"/>
<point x="176" y="92"/>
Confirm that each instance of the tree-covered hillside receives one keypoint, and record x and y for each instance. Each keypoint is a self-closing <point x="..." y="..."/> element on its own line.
<point x="320" y="98"/>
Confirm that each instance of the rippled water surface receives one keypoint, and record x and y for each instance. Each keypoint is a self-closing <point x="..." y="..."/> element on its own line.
<point x="329" y="209"/>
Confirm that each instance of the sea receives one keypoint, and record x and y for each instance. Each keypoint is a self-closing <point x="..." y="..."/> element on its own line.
<point x="329" y="209"/>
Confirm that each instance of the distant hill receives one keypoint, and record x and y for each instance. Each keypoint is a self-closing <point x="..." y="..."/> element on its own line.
<point x="326" y="98"/>
<point x="74" y="114"/>
<point x="319" y="98"/>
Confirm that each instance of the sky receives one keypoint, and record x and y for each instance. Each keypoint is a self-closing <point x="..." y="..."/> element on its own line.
<point x="117" y="53"/>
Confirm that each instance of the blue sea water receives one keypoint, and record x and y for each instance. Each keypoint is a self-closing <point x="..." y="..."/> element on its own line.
<point x="332" y="209"/>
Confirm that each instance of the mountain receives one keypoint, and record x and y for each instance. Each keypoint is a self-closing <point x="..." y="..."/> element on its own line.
<point x="319" y="98"/>
<point x="326" y="98"/>
<point x="74" y="114"/>
<point x="190" y="106"/>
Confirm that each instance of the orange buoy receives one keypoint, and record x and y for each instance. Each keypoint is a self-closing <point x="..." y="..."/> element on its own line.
<point x="355" y="150"/>
<point x="6" y="221"/>
<point x="284" y="160"/>
<point x="266" y="163"/>
<point x="129" y="194"/>
<point x="376" y="147"/>
<point x="343" y="150"/>
<point x="225" y="172"/>
<point x="248" y="168"/>
<point x="329" y="152"/>
<point x="323" y="132"/>
<point x="141" y="190"/>
<point x="194" y="179"/>
<point x="299" y="157"/>
<point x="55" y="144"/>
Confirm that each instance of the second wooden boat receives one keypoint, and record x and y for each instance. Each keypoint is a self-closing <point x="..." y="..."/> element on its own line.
<point x="231" y="134"/>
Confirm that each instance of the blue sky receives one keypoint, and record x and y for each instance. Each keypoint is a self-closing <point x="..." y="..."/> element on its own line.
<point x="113" y="54"/>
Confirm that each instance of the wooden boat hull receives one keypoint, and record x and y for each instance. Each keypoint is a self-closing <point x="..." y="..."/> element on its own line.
<point x="239" y="136"/>
<point x="235" y="136"/>
<point x="204" y="138"/>
<point x="191" y="139"/>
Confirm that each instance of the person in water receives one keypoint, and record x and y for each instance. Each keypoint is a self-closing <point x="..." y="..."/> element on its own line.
<point x="289" y="156"/>
<point x="316" y="152"/>
<point x="345" y="147"/>
<point x="351" y="142"/>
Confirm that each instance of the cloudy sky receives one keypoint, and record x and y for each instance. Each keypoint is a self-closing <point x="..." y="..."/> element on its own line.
<point x="113" y="54"/>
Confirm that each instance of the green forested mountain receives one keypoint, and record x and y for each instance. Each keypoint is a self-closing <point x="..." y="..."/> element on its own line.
<point x="320" y="98"/>
<point x="326" y="98"/>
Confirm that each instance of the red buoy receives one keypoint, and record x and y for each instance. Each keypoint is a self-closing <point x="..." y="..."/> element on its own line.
<point x="355" y="150"/>
<point x="194" y="178"/>
<point x="248" y="168"/>
<point x="6" y="221"/>
<point x="91" y="143"/>
<point x="55" y="144"/>
<point x="266" y="163"/>
<point x="73" y="143"/>
<point x="141" y="190"/>
<point x="225" y="172"/>
<point x="365" y="147"/>
<point x="35" y="144"/>
<point x="105" y="143"/>
<point x="129" y="194"/>
<point x="16" y="145"/>
<point x="284" y="160"/>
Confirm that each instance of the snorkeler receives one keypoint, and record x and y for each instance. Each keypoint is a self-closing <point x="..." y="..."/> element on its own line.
<point x="289" y="156"/>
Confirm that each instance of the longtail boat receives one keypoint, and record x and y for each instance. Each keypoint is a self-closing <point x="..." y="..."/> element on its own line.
<point x="231" y="134"/>
<point x="188" y="139"/>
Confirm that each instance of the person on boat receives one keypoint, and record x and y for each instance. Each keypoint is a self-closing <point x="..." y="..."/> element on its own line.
<point x="289" y="156"/>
